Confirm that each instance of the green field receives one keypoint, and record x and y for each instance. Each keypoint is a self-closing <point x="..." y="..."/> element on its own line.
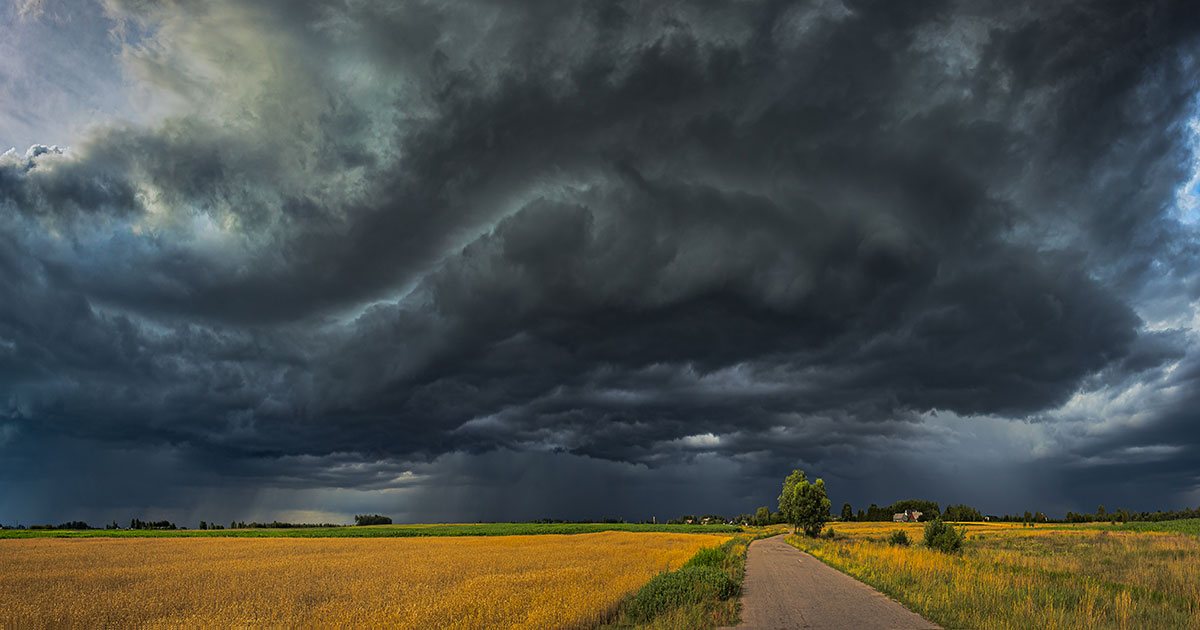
<point x="376" y="531"/>
<point x="1182" y="526"/>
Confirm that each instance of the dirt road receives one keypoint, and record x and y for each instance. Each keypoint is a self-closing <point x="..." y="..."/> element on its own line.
<point x="787" y="588"/>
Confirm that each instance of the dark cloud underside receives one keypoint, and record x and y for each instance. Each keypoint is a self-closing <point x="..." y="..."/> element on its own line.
<point x="389" y="247"/>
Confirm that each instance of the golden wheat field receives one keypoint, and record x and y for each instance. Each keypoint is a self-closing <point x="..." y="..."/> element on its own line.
<point x="544" y="581"/>
<point x="1009" y="576"/>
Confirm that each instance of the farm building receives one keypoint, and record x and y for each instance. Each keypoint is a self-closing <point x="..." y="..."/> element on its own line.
<point x="907" y="516"/>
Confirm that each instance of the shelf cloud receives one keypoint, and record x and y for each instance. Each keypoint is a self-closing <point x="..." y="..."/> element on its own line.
<point x="495" y="260"/>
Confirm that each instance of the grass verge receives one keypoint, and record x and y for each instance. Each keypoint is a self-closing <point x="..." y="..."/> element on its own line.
<point x="701" y="594"/>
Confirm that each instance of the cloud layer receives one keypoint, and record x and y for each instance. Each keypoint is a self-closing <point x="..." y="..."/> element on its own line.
<point x="430" y="254"/>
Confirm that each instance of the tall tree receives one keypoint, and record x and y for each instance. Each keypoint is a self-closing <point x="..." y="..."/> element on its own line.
<point x="805" y="505"/>
<point x="847" y="513"/>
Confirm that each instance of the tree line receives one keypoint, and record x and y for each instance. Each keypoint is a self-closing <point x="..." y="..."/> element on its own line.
<point x="929" y="511"/>
<point x="1125" y="516"/>
<point x="960" y="513"/>
<point x="67" y="525"/>
<point x="137" y="523"/>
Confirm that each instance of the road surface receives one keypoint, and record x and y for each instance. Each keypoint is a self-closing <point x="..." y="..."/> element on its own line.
<point x="787" y="588"/>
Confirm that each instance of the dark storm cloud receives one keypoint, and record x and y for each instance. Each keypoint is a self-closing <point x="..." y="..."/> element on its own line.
<point x="616" y="238"/>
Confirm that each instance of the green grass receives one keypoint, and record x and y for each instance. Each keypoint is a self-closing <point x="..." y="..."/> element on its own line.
<point x="701" y="594"/>
<point x="691" y="585"/>
<point x="378" y="531"/>
<point x="1182" y="526"/>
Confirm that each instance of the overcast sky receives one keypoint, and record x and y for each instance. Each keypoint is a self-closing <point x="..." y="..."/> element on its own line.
<point x="496" y="260"/>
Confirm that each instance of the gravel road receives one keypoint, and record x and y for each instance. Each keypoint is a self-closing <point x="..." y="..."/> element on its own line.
<point x="787" y="588"/>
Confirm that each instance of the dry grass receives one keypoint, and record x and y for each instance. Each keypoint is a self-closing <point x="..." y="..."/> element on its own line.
<point x="466" y="582"/>
<point x="1015" y="577"/>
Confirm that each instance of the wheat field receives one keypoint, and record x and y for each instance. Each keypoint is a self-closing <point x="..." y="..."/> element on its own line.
<point x="1009" y="577"/>
<point x="465" y="582"/>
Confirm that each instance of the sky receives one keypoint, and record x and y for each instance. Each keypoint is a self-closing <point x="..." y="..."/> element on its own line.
<point x="483" y="260"/>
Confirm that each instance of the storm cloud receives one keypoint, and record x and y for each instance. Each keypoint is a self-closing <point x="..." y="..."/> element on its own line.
<point x="513" y="260"/>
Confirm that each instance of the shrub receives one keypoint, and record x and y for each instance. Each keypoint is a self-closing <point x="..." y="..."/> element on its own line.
<point x="942" y="536"/>
<point x="689" y="585"/>
<point x="829" y="533"/>
<point x="898" y="538"/>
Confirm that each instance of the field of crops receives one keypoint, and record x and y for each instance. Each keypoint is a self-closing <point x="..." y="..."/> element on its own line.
<point x="1010" y="576"/>
<point x="1182" y="526"/>
<point x="431" y="582"/>
<point x="377" y="531"/>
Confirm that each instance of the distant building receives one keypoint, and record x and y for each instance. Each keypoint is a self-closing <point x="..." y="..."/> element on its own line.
<point x="907" y="516"/>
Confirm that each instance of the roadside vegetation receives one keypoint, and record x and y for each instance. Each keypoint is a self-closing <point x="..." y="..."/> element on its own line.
<point x="376" y="531"/>
<point x="704" y="593"/>
<point x="1010" y="576"/>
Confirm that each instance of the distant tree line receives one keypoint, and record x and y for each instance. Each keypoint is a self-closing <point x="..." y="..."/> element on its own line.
<point x="692" y="519"/>
<point x="1029" y="518"/>
<point x="138" y="523"/>
<point x="567" y="521"/>
<point x="962" y="513"/>
<point x="372" y="519"/>
<point x="762" y="516"/>
<point x="1125" y="516"/>
<point x="610" y="520"/>
<point x="271" y="525"/>
<point x="282" y="525"/>
<point x="929" y="510"/>
<point x="1101" y="515"/>
<point x="68" y="525"/>
<point x="959" y="512"/>
<point x="767" y="518"/>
